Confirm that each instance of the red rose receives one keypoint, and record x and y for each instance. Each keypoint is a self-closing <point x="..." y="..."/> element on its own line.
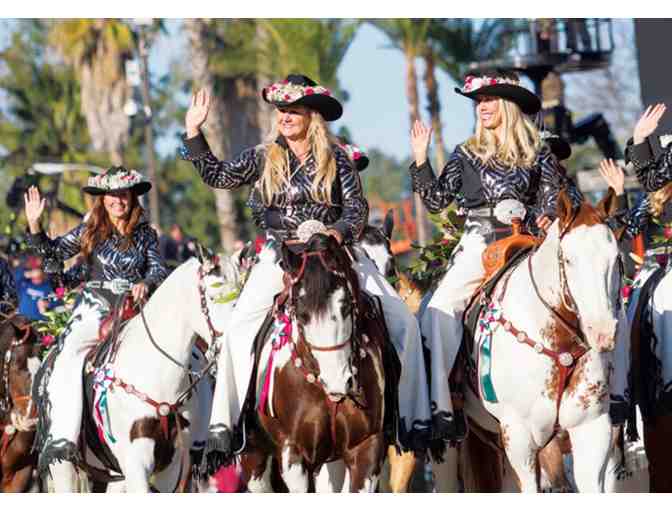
<point x="667" y="232"/>
<point x="327" y="92"/>
<point x="273" y="87"/>
<point x="286" y="97"/>
<point x="285" y="82"/>
<point x="356" y="155"/>
<point x="60" y="292"/>
<point x="47" y="340"/>
<point x="626" y="291"/>
<point x="445" y="242"/>
<point x="309" y="91"/>
<point x="661" y="259"/>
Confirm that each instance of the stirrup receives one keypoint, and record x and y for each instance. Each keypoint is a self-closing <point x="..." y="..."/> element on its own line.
<point x="219" y="449"/>
<point x="58" y="450"/>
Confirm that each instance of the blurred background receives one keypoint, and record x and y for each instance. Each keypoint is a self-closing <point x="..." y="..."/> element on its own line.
<point x="79" y="95"/>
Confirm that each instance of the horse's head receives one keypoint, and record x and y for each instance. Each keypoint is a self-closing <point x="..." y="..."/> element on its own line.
<point x="376" y="243"/>
<point x="590" y="268"/>
<point x="324" y="287"/>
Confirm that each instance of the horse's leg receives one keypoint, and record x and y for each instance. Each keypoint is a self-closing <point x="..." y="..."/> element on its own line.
<point x="522" y="453"/>
<point x="256" y="468"/>
<point x="552" y="468"/>
<point x="139" y="464"/>
<point x="591" y="443"/>
<point x="659" y="452"/>
<point x="18" y="481"/>
<point x="293" y="471"/>
<point x="364" y="462"/>
<point x="402" y="467"/>
<point x="113" y="488"/>
<point x="331" y="477"/>
<point x="446" y="472"/>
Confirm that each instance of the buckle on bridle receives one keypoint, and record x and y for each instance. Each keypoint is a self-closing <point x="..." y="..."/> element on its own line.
<point x="119" y="286"/>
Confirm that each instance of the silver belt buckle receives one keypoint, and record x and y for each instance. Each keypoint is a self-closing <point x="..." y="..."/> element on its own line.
<point x="119" y="286"/>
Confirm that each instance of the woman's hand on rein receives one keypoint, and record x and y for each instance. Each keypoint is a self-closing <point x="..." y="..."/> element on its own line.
<point x="34" y="207"/>
<point x="197" y="113"/>
<point x="139" y="292"/>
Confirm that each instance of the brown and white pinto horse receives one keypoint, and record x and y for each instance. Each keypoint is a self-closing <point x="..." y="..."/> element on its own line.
<point x="327" y="383"/>
<point x="19" y="360"/>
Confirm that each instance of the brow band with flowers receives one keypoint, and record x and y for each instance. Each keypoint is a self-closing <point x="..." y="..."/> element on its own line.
<point x="287" y="92"/>
<point x="353" y="151"/>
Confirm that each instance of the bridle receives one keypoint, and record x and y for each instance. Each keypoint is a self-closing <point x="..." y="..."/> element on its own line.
<point x="6" y="399"/>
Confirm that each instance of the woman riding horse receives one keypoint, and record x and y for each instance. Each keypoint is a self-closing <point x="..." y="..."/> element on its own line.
<point x="504" y="159"/>
<point x="121" y="253"/>
<point x="651" y="219"/>
<point x="300" y="176"/>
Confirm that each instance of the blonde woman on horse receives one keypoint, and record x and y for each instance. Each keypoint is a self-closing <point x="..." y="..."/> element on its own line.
<point x="120" y="253"/>
<point x="300" y="176"/>
<point x="504" y="159"/>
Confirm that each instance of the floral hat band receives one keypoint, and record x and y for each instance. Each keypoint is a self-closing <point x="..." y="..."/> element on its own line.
<point x="508" y="88"/>
<point x="117" y="178"/>
<point x="298" y="89"/>
<point x="472" y="83"/>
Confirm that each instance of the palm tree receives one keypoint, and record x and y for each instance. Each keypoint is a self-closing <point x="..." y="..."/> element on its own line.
<point x="98" y="50"/>
<point x="410" y="36"/>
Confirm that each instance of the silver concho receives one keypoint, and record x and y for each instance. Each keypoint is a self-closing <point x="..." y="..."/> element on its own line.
<point x="566" y="359"/>
<point x="308" y="228"/>
<point x="539" y="347"/>
<point x="310" y="378"/>
<point x="521" y="337"/>
<point x="164" y="410"/>
<point x="298" y="363"/>
<point x="508" y="209"/>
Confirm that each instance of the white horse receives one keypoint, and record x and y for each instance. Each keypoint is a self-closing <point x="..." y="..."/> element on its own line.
<point x="174" y="316"/>
<point x="576" y="272"/>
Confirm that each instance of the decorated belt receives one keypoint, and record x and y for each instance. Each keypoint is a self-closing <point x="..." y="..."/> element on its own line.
<point x="483" y="212"/>
<point x="116" y="286"/>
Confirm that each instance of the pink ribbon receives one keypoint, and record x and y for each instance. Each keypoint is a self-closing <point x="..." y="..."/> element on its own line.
<point x="281" y="339"/>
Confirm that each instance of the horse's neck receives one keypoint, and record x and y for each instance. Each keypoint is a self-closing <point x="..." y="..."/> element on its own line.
<point x="521" y="299"/>
<point x="168" y="316"/>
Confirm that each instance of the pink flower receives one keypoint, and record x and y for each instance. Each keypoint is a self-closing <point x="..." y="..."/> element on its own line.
<point x="626" y="291"/>
<point x="309" y="91"/>
<point x="47" y="340"/>
<point x="286" y="97"/>
<point x="667" y="232"/>
<point x="60" y="292"/>
<point x="273" y="87"/>
<point x="445" y="242"/>
<point x="327" y="92"/>
<point x="661" y="259"/>
<point x="356" y="155"/>
<point x="285" y="82"/>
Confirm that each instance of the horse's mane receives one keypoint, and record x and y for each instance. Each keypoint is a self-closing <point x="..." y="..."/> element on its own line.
<point x="374" y="236"/>
<point x="317" y="283"/>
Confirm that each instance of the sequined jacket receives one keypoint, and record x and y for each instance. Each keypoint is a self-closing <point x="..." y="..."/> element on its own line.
<point x="657" y="231"/>
<point x="293" y="205"/>
<point x="653" y="173"/>
<point x="472" y="184"/>
<point x="8" y="299"/>
<point x="141" y="262"/>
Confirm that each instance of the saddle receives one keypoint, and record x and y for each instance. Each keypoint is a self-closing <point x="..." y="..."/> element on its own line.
<point x="499" y="253"/>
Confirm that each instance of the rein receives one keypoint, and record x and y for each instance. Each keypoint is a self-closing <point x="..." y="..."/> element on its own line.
<point x="6" y="399"/>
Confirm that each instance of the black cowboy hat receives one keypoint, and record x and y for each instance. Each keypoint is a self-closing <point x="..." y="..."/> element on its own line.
<point x="117" y="178"/>
<point x="499" y="86"/>
<point x="298" y="89"/>
<point x="558" y="145"/>
<point x="356" y="154"/>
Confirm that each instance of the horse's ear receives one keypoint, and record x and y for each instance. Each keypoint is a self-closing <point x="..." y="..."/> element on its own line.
<point x="388" y="224"/>
<point x="565" y="208"/>
<point x="608" y="205"/>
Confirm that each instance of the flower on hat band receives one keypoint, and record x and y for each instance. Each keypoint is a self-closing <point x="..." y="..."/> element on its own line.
<point x="472" y="83"/>
<point x="118" y="180"/>
<point x="286" y="92"/>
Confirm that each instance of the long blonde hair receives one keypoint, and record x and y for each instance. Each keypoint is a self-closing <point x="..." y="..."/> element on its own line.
<point x="276" y="173"/>
<point x="657" y="199"/>
<point x="521" y="141"/>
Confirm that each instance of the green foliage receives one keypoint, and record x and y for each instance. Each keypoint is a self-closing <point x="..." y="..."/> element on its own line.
<point x="386" y="177"/>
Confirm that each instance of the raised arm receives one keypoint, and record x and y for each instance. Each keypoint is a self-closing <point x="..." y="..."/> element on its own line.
<point x="652" y="173"/>
<point x="214" y="172"/>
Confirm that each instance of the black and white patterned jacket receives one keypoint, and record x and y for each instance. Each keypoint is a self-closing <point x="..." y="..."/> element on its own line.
<point x="8" y="299"/>
<point x="653" y="173"/>
<point x="141" y="262"/>
<point x="292" y="206"/>
<point x="472" y="184"/>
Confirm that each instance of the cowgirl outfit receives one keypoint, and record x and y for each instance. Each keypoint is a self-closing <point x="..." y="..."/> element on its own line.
<point x="290" y="208"/>
<point x="477" y="188"/>
<point x="654" y="393"/>
<point x="108" y="274"/>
